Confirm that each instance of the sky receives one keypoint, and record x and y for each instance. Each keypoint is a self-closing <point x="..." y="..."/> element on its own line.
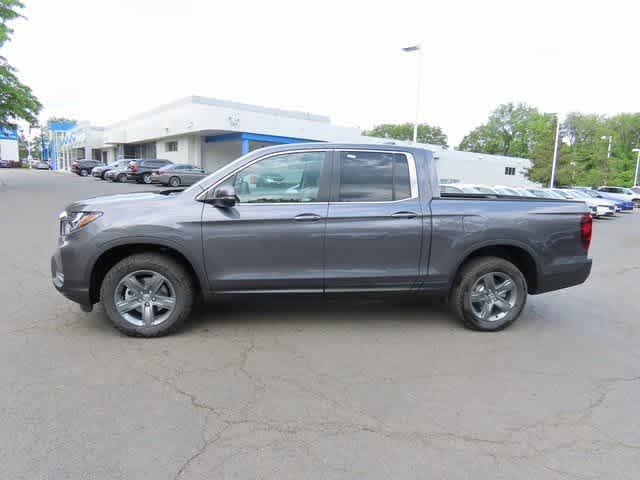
<point x="103" y="61"/>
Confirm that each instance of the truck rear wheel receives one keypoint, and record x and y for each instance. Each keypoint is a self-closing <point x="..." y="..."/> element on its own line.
<point x="147" y="295"/>
<point x="489" y="294"/>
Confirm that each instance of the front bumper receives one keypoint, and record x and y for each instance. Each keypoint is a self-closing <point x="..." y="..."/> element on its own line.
<point x="69" y="283"/>
<point x="74" y="293"/>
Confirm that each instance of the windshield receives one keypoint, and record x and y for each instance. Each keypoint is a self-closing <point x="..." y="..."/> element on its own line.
<point x="504" y="191"/>
<point x="469" y="190"/>
<point x="563" y="194"/>
<point x="553" y="194"/>
<point x="579" y="194"/>
<point x="627" y="191"/>
<point x="524" y="192"/>
<point x="591" y="193"/>
<point x="484" y="190"/>
<point x="540" y="193"/>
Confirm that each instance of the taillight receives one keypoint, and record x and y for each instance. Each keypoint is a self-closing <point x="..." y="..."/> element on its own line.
<point x="586" y="229"/>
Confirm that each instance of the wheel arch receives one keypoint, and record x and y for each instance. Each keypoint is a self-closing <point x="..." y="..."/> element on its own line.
<point x="518" y="254"/>
<point x="112" y="255"/>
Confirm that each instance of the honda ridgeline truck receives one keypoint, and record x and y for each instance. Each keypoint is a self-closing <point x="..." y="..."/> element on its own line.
<point x="317" y="218"/>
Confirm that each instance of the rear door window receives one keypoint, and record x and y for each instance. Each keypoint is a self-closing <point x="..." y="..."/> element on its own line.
<point x="373" y="177"/>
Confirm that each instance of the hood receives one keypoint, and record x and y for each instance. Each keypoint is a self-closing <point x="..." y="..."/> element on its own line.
<point x="109" y="202"/>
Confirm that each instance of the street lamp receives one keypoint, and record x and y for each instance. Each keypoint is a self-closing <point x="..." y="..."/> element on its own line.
<point x="610" y="138"/>
<point x="555" y="153"/>
<point x="416" y="48"/>
<point x="635" y="177"/>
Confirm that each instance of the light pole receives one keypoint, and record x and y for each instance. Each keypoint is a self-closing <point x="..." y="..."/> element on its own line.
<point x="610" y="138"/>
<point x="635" y="177"/>
<point x="416" y="48"/>
<point x="555" y="153"/>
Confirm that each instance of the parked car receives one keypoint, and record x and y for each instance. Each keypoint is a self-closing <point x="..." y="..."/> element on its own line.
<point x="600" y="202"/>
<point x="141" y="170"/>
<point x="473" y="188"/>
<point x="622" y="193"/>
<point x="596" y="209"/>
<point x="619" y="204"/>
<point x="484" y="189"/>
<point x="322" y="231"/>
<point x="457" y="188"/>
<point x="84" y="167"/>
<point x="176" y="175"/>
<point x="42" y="166"/>
<point x="5" y="164"/>
<point x="502" y="190"/>
<point x="101" y="171"/>
<point x="539" y="192"/>
<point x="117" y="174"/>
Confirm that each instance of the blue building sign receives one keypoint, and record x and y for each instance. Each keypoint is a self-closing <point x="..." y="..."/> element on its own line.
<point x="8" y="133"/>
<point x="57" y="138"/>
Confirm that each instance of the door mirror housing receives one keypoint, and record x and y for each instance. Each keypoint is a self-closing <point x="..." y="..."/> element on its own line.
<point x="224" y="197"/>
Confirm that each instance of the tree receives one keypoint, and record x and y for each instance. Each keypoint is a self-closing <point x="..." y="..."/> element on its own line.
<point x="512" y="130"/>
<point x="16" y="99"/>
<point x="404" y="131"/>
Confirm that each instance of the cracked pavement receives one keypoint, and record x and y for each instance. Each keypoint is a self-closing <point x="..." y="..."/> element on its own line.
<point x="311" y="389"/>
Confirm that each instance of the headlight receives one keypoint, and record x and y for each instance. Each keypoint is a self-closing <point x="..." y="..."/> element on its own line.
<point x="76" y="220"/>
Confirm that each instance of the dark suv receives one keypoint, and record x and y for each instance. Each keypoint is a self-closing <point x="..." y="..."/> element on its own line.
<point x="84" y="167"/>
<point x="141" y="170"/>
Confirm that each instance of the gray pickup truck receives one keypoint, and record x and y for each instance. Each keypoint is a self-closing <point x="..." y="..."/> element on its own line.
<point x="317" y="218"/>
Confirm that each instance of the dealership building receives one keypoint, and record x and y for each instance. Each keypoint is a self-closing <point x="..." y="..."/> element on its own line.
<point x="210" y="133"/>
<point x="9" y="144"/>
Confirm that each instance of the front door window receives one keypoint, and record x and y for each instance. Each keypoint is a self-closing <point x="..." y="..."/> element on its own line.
<point x="287" y="178"/>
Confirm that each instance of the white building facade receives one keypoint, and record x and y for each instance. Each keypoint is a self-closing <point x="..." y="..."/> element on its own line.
<point x="9" y="145"/>
<point x="210" y="133"/>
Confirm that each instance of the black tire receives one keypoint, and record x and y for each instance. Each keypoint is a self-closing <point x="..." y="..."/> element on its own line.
<point x="83" y="172"/>
<point x="146" y="178"/>
<point x="104" y="175"/>
<point x="471" y="276"/>
<point x="172" y="270"/>
<point x="122" y="178"/>
<point x="174" y="182"/>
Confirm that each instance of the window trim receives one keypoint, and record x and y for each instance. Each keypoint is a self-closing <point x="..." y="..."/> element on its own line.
<point x="413" y="177"/>
<point x="170" y="142"/>
<point x="329" y="152"/>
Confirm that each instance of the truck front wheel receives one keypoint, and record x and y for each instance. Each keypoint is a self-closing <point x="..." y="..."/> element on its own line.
<point x="489" y="294"/>
<point x="147" y="294"/>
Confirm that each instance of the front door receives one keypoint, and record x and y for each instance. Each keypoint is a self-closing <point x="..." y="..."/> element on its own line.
<point x="374" y="226"/>
<point x="272" y="239"/>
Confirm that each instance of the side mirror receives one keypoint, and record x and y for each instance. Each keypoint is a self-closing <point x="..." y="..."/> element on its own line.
<point x="224" y="197"/>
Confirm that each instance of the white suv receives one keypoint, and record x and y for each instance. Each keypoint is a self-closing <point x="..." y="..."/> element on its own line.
<point x="622" y="193"/>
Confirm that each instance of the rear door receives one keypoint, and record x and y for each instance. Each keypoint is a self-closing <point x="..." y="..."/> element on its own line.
<point x="191" y="174"/>
<point x="273" y="238"/>
<point x="374" y="225"/>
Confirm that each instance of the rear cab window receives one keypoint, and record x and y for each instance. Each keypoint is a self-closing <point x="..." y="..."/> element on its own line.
<point x="366" y="176"/>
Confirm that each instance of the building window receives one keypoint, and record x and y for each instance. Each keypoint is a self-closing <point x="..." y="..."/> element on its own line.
<point x="171" y="146"/>
<point x="509" y="170"/>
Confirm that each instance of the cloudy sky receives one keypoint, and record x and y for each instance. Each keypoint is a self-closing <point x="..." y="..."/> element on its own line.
<point x="103" y="61"/>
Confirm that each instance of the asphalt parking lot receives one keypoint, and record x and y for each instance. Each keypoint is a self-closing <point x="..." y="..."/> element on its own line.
<point x="311" y="389"/>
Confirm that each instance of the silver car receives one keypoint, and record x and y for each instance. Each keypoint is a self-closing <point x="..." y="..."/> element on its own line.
<point x="176" y="175"/>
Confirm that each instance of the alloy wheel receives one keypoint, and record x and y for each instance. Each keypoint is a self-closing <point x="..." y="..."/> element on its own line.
<point x="493" y="296"/>
<point x="145" y="298"/>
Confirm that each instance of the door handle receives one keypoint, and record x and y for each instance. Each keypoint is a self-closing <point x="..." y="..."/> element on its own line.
<point x="404" y="215"/>
<point x="307" y="217"/>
